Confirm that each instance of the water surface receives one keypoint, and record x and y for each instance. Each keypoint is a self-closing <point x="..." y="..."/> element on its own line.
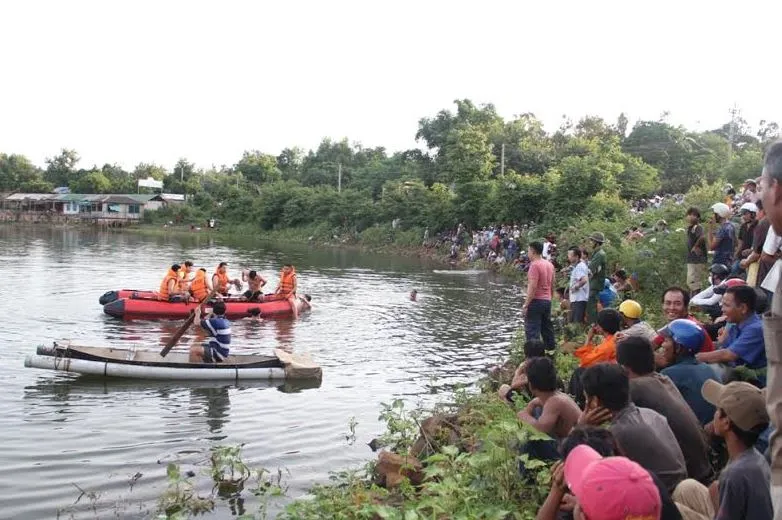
<point x="62" y="431"/>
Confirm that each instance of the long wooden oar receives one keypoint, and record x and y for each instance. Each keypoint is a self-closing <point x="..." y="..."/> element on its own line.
<point x="181" y="332"/>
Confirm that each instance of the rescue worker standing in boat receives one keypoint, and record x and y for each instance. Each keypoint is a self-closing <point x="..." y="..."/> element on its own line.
<point x="286" y="289"/>
<point x="220" y="280"/>
<point x="219" y="329"/>
<point x="255" y="283"/>
<point x="170" y="286"/>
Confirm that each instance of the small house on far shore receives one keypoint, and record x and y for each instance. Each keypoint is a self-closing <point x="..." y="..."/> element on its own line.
<point x="107" y="209"/>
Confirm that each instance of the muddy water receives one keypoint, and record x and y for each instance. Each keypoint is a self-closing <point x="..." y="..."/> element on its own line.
<point x="62" y="431"/>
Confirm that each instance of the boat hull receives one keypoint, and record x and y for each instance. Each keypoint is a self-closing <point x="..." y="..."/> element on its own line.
<point x="152" y="308"/>
<point x="146" y="364"/>
<point x="109" y="369"/>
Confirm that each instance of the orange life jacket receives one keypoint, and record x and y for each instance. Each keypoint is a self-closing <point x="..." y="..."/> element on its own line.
<point x="170" y="275"/>
<point x="288" y="282"/>
<point x="198" y="288"/>
<point x="222" y="281"/>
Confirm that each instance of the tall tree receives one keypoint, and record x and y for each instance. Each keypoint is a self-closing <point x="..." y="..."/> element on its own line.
<point x="258" y="168"/>
<point x="17" y="172"/>
<point x="289" y="162"/>
<point x="666" y="148"/>
<point x="60" y="169"/>
<point x="467" y="155"/>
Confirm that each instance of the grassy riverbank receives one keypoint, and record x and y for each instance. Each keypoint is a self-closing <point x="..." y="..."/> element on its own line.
<point x="382" y="239"/>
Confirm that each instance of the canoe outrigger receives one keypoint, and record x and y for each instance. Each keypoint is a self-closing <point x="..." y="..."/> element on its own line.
<point x="148" y="364"/>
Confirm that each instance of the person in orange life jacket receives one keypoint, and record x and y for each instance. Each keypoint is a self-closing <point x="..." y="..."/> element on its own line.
<point x="286" y="288"/>
<point x="200" y="286"/>
<point x="169" y="287"/>
<point x="184" y="276"/>
<point x="220" y="280"/>
<point x="255" y="282"/>
<point x="219" y="329"/>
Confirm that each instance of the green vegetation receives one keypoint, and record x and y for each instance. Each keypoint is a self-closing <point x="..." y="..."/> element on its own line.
<point x="572" y="182"/>
<point x="346" y="189"/>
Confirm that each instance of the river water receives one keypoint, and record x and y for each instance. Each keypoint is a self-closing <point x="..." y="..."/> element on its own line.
<point x="64" y="434"/>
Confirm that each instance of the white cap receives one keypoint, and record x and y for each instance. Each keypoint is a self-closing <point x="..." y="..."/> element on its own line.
<point x="722" y="209"/>
<point x="749" y="206"/>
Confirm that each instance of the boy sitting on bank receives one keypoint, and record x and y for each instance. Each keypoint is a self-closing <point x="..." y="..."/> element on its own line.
<point x="550" y="411"/>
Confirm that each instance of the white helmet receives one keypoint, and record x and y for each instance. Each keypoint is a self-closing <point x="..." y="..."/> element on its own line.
<point x="722" y="209"/>
<point x="749" y="206"/>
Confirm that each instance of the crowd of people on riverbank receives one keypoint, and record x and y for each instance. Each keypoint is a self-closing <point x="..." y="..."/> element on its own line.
<point x="665" y="420"/>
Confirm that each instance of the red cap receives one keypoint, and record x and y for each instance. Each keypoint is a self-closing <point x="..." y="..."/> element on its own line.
<point x="611" y="488"/>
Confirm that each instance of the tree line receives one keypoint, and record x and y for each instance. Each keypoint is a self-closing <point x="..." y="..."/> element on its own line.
<point x="477" y="168"/>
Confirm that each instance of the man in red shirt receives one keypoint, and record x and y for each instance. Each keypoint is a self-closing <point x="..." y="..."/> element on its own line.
<point x="537" y="306"/>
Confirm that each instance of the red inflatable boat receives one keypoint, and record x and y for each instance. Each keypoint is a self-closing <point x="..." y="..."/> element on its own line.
<point x="140" y="307"/>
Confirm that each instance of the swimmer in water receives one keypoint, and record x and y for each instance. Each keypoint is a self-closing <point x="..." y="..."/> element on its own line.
<point x="413" y="295"/>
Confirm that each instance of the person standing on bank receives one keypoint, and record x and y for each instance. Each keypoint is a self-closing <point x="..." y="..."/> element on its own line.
<point x="696" y="251"/>
<point x="579" y="286"/>
<point x="597" y="274"/>
<point x="771" y="192"/>
<point x="540" y="290"/>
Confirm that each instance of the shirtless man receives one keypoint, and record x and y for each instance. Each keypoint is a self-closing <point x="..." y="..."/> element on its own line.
<point x="255" y="282"/>
<point x="532" y="349"/>
<point x="559" y="412"/>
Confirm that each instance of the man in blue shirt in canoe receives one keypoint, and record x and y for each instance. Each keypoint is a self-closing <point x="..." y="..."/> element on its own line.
<point x="219" y="329"/>
<point x="744" y="344"/>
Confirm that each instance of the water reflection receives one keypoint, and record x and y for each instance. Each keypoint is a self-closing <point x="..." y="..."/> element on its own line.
<point x="216" y="403"/>
<point x="373" y="343"/>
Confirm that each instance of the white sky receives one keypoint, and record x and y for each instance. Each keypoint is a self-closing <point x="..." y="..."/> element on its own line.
<point x="131" y="81"/>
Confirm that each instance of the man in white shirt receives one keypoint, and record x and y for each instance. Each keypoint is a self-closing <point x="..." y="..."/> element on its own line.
<point x="772" y="247"/>
<point x="578" y="286"/>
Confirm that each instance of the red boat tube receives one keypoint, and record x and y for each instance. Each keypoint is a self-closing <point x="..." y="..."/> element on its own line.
<point x="152" y="308"/>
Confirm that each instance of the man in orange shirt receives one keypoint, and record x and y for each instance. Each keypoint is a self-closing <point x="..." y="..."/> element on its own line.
<point x="609" y="322"/>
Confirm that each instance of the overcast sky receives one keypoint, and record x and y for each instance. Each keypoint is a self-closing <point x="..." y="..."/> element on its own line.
<point x="130" y="81"/>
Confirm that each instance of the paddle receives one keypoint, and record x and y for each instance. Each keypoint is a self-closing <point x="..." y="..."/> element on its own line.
<point x="181" y="332"/>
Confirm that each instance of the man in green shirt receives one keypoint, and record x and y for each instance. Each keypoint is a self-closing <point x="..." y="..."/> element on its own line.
<point x="597" y="274"/>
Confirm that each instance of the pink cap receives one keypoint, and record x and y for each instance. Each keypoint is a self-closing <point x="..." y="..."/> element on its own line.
<point x="611" y="488"/>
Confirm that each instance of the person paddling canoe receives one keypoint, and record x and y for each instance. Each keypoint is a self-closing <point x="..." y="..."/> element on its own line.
<point x="286" y="289"/>
<point x="219" y="329"/>
<point x="255" y="282"/>
<point x="220" y="280"/>
<point x="169" y="287"/>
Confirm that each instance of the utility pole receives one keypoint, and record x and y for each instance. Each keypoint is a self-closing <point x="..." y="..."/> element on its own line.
<point x="339" y="178"/>
<point x="502" y="160"/>
<point x="181" y="173"/>
<point x="734" y="113"/>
